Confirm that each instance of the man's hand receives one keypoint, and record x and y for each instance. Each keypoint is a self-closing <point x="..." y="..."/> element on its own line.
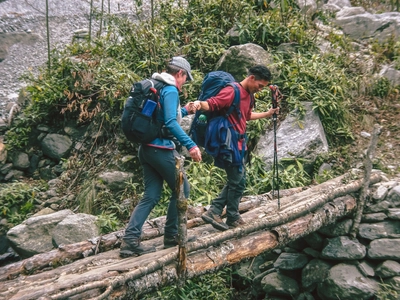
<point x="195" y="154"/>
<point x="273" y="111"/>
<point x="191" y="108"/>
<point x="197" y="104"/>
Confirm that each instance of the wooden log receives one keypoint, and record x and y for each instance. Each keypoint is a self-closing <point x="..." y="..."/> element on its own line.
<point x="182" y="221"/>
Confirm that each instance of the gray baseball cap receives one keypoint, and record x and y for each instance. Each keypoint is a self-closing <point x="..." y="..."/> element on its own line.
<point x="182" y="63"/>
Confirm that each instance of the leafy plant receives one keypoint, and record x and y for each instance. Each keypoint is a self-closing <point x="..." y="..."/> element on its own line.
<point x="210" y="286"/>
<point x="206" y="182"/>
<point x="381" y="88"/>
<point x="108" y="222"/>
<point x="17" y="200"/>
<point x="17" y="138"/>
<point x="318" y="79"/>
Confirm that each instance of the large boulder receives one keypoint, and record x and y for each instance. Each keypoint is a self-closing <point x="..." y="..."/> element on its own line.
<point x="294" y="141"/>
<point x="359" y="24"/>
<point x="238" y="59"/>
<point x="75" y="228"/>
<point x="43" y="233"/>
<point x="34" y="235"/>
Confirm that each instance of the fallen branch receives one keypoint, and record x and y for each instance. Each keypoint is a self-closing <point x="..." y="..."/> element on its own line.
<point x="366" y="181"/>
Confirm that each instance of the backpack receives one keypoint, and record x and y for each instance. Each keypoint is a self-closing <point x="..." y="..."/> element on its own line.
<point x="213" y="131"/>
<point x="212" y="84"/>
<point x="139" y="119"/>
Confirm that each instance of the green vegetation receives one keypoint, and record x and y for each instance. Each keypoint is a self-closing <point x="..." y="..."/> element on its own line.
<point x="88" y="83"/>
<point x="17" y="200"/>
<point x="210" y="286"/>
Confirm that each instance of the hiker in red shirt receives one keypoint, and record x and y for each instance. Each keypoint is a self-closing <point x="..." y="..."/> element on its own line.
<point x="258" y="77"/>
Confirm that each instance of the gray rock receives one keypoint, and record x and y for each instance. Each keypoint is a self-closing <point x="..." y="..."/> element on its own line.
<point x="313" y="273"/>
<point x="115" y="180"/>
<point x="338" y="229"/>
<point x="394" y="213"/>
<point x="384" y="249"/>
<point x="291" y="261"/>
<point x="56" y="146"/>
<point x="387" y="269"/>
<point x="20" y="160"/>
<point x="385" y="229"/>
<point x="237" y="59"/>
<point x="346" y="282"/>
<point x="359" y="24"/>
<point x="394" y="197"/>
<point x="374" y="217"/>
<point x="279" y="285"/>
<point x="343" y="248"/>
<point x="380" y="193"/>
<point x="293" y="141"/>
<point x="75" y="228"/>
<point x="34" y="235"/>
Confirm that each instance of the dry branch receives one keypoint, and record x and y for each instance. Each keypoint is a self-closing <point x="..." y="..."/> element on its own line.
<point x="366" y="181"/>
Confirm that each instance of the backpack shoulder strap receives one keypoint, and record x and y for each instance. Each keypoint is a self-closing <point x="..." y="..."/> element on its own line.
<point x="236" y="100"/>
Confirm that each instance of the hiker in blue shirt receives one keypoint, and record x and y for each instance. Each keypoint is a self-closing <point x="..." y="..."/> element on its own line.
<point x="258" y="77"/>
<point x="158" y="161"/>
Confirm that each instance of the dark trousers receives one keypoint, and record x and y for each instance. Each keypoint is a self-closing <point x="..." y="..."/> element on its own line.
<point x="158" y="165"/>
<point x="231" y="194"/>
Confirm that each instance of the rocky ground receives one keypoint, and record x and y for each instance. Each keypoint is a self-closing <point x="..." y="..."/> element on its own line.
<point x="386" y="113"/>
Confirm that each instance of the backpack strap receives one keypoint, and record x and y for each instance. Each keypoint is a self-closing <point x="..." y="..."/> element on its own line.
<point x="236" y="101"/>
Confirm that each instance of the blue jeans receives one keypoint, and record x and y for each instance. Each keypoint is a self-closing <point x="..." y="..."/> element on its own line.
<point x="158" y="165"/>
<point x="231" y="194"/>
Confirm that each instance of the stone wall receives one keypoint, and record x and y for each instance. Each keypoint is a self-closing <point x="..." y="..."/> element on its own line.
<point x="328" y="264"/>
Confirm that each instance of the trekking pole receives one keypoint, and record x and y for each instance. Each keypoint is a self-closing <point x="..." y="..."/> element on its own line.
<point x="276" y="95"/>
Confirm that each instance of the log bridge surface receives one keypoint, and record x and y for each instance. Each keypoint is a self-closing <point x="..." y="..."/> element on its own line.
<point x="93" y="269"/>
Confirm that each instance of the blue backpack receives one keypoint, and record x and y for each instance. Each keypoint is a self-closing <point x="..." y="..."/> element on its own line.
<point x="212" y="130"/>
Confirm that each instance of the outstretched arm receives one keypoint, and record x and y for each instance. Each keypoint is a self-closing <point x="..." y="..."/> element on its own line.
<point x="265" y="114"/>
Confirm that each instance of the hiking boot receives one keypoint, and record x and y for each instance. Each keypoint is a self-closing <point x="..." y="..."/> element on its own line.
<point x="239" y="222"/>
<point x="215" y="220"/>
<point x="133" y="247"/>
<point x="172" y="241"/>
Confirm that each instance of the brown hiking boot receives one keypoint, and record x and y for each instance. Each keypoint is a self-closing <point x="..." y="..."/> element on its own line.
<point x="133" y="247"/>
<point x="215" y="220"/>
<point x="239" y="222"/>
<point x="172" y="241"/>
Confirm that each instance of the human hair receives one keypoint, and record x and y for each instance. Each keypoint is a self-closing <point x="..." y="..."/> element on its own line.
<point x="172" y="69"/>
<point x="260" y="72"/>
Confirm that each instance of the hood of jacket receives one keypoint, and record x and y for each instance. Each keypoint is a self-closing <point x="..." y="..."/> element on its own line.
<point x="165" y="77"/>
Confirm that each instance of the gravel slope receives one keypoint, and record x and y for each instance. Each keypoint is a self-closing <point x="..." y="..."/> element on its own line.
<point x="23" y="43"/>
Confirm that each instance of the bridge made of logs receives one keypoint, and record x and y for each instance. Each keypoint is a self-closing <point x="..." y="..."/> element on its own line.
<point x="93" y="269"/>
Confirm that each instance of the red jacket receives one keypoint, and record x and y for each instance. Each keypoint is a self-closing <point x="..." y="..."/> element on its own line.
<point x="223" y="101"/>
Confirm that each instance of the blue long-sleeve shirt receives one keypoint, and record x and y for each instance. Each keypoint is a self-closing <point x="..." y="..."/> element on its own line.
<point x="169" y="100"/>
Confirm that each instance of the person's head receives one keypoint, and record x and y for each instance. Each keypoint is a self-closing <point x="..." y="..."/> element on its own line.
<point x="180" y="69"/>
<point x="258" y="77"/>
